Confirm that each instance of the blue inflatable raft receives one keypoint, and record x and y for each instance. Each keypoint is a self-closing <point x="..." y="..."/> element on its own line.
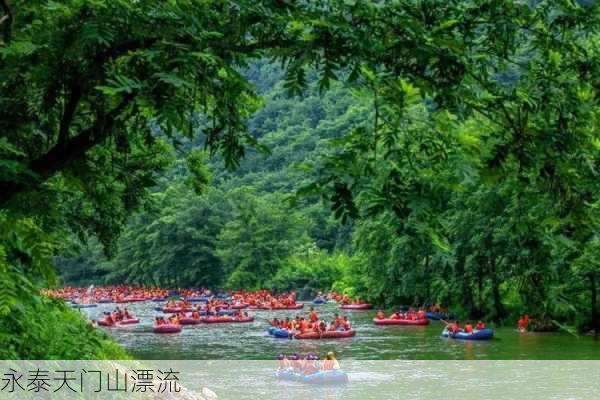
<point x="484" y="334"/>
<point x="197" y="299"/>
<point x="279" y="333"/>
<point x="318" y="301"/>
<point x="319" y="378"/>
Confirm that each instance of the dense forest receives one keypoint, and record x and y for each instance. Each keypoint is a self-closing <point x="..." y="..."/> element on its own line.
<point x="407" y="152"/>
<point x="243" y="227"/>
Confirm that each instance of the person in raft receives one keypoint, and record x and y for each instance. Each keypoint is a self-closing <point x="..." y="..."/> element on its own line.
<point x="338" y="323"/>
<point x="523" y="323"/>
<point x="321" y="326"/>
<point x="296" y="363"/>
<point x="380" y="314"/>
<point x="454" y="327"/>
<point x="480" y="326"/>
<point x="313" y="317"/>
<point x="330" y="363"/>
<point x="282" y="362"/>
<point x="468" y="328"/>
<point x="346" y="323"/>
<point x="304" y="325"/>
<point x="310" y="364"/>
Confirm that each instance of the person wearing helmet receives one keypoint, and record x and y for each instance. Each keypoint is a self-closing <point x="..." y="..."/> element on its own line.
<point x="282" y="362"/>
<point x="310" y="365"/>
<point x="295" y="362"/>
<point x="330" y="363"/>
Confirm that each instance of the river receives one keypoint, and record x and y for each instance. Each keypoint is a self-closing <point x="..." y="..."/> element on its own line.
<point x="250" y="341"/>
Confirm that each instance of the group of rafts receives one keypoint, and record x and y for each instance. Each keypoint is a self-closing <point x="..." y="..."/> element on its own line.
<point x="412" y="317"/>
<point x="228" y="309"/>
<point x="233" y="309"/>
<point x="182" y="313"/>
<point x="315" y="328"/>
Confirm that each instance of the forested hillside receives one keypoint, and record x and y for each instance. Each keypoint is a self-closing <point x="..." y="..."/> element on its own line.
<point x="245" y="227"/>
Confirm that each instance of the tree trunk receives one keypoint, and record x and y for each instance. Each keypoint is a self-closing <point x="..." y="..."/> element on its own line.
<point x="595" y="323"/>
<point x="464" y="288"/>
<point x="499" y="310"/>
<point x="426" y="280"/>
<point x="478" y="311"/>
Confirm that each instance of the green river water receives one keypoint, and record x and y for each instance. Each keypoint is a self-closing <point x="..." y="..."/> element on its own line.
<point x="251" y="341"/>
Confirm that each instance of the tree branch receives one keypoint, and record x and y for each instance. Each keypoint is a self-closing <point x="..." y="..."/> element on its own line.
<point x="6" y="22"/>
<point x="62" y="154"/>
<point x="69" y="112"/>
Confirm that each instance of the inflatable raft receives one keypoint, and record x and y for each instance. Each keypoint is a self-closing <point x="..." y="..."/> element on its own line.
<point x="294" y="307"/>
<point x="128" y="321"/>
<point x="190" y="321"/>
<point x="280" y="333"/>
<point x="226" y="319"/>
<point x="326" y="335"/>
<point x="104" y="322"/>
<point x="196" y="299"/>
<point x="173" y="310"/>
<point x="484" y="334"/>
<point x="321" y="377"/>
<point x="167" y="328"/>
<point x="318" y="301"/>
<point x="393" y="321"/>
<point x="363" y="306"/>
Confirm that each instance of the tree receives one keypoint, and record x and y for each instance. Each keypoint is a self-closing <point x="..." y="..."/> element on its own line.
<point x="253" y="245"/>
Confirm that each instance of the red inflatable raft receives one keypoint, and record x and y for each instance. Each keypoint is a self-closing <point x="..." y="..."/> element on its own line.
<point x="294" y="307"/>
<point x="104" y="322"/>
<point x="175" y="310"/>
<point x="128" y="321"/>
<point x="218" y="320"/>
<point x="392" y="321"/>
<point x="326" y="335"/>
<point x="167" y="328"/>
<point x="363" y="306"/>
<point x="134" y="299"/>
<point x="189" y="321"/>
